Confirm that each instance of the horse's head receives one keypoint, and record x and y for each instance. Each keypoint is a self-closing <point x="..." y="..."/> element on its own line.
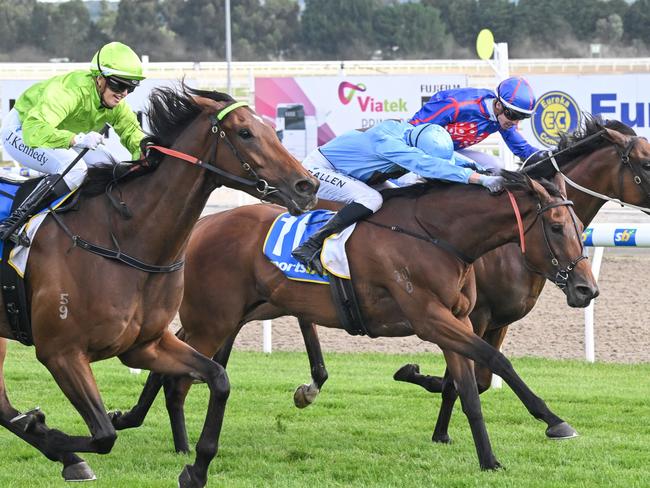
<point x="633" y="178"/>
<point x="553" y="244"/>
<point x="250" y="149"/>
<point x="231" y="142"/>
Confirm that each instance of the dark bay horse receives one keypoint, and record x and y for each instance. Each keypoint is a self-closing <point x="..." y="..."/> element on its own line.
<point x="405" y="285"/>
<point x="199" y="140"/>
<point x="604" y="157"/>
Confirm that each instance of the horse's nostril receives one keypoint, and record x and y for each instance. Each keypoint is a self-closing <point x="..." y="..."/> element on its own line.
<point x="305" y="187"/>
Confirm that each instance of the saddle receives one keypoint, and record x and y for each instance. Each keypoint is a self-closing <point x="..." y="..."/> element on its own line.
<point x="17" y="306"/>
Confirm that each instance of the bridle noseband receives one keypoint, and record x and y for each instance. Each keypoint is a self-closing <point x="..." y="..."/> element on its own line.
<point x="561" y="277"/>
<point x="261" y="185"/>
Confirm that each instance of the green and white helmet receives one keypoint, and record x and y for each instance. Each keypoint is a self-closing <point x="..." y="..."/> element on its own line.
<point x="117" y="60"/>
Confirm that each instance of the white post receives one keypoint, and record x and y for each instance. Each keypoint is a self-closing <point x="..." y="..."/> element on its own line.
<point x="502" y="67"/>
<point x="267" y="345"/>
<point x="228" y="46"/>
<point x="590" y="354"/>
<point x="497" y="382"/>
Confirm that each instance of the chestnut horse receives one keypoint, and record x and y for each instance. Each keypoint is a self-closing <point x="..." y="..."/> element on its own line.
<point x="115" y="309"/>
<point x="428" y="291"/>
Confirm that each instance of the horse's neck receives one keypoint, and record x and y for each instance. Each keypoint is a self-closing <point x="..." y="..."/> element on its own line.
<point x="166" y="204"/>
<point x="598" y="172"/>
<point x="471" y="219"/>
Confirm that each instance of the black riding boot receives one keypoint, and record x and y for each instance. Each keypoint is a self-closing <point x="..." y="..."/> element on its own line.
<point x="42" y="195"/>
<point x="309" y="252"/>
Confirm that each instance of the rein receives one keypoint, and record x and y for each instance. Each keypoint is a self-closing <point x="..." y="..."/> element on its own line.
<point x="562" y="274"/>
<point x="261" y="185"/>
<point x="116" y="254"/>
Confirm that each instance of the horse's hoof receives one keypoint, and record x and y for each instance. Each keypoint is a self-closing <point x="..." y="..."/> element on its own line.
<point x="493" y="466"/>
<point x="188" y="479"/>
<point x="441" y="438"/>
<point x="406" y="372"/>
<point x="78" y="472"/>
<point x="122" y="420"/>
<point x="561" y="431"/>
<point x="305" y="395"/>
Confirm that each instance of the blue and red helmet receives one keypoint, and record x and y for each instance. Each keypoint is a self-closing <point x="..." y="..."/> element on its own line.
<point x="516" y="94"/>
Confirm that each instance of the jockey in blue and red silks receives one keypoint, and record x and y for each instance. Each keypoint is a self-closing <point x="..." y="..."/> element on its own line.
<point x="472" y="114"/>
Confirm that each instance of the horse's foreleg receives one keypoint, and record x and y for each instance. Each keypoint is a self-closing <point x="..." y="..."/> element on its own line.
<point x="495" y="338"/>
<point x="451" y="336"/>
<point x="72" y="373"/>
<point x="462" y="371"/>
<point x="410" y="373"/>
<point x="74" y="468"/>
<point x="171" y="356"/>
<point x="449" y="395"/>
<point x="136" y="415"/>
<point x="305" y="394"/>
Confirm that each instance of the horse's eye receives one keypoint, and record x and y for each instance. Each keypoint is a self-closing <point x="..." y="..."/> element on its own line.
<point x="646" y="165"/>
<point x="244" y="133"/>
<point x="557" y="228"/>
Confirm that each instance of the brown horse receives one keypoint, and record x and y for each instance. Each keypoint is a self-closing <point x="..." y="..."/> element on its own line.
<point x="121" y="306"/>
<point x="606" y="158"/>
<point x="428" y="291"/>
<point x="603" y="157"/>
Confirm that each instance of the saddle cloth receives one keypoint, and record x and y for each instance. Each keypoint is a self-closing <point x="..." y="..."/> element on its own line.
<point x="288" y="232"/>
<point x="19" y="254"/>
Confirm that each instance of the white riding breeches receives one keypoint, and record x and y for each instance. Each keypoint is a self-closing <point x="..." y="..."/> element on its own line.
<point x="338" y="187"/>
<point x="488" y="161"/>
<point x="47" y="160"/>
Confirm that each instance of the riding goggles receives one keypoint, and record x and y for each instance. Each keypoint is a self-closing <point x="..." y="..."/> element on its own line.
<point x="118" y="85"/>
<point x="514" y="115"/>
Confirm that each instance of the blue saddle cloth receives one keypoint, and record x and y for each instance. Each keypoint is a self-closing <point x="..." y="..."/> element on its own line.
<point x="8" y="191"/>
<point x="288" y="232"/>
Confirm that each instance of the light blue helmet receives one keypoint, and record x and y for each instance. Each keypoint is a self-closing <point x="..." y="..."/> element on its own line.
<point x="516" y="94"/>
<point x="433" y="140"/>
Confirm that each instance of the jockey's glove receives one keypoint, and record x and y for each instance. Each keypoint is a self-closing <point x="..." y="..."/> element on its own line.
<point x="88" y="141"/>
<point x="492" y="183"/>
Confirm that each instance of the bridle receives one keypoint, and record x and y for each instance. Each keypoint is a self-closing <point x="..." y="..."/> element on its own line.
<point x="624" y="155"/>
<point x="261" y="185"/>
<point x="561" y="274"/>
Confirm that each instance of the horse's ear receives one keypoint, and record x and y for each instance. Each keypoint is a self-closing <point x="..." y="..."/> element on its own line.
<point x="559" y="181"/>
<point x="538" y="188"/>
<point x="616" y="137"/>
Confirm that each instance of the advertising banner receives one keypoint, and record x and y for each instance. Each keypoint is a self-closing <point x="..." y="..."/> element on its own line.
<point x="562" y="99"/>
<point x="309" y="111"/>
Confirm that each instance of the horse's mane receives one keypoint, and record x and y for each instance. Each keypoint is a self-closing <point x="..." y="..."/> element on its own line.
<point x="513" y="180"/>
<point x="169" y="112"/>
<point x="593" y="125"/>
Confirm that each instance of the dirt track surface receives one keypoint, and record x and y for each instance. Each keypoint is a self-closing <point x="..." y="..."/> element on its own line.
<point x="551" y="330"/>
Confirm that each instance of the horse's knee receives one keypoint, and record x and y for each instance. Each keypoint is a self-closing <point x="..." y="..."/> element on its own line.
<point x="218" y="381"/>
<point x="499" y="364"/>
<point x="104" y="442"/>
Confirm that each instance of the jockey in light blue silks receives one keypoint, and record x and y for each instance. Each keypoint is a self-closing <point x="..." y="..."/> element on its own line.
<point x="472" y="114"/>
<point x="348" y="165"/>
